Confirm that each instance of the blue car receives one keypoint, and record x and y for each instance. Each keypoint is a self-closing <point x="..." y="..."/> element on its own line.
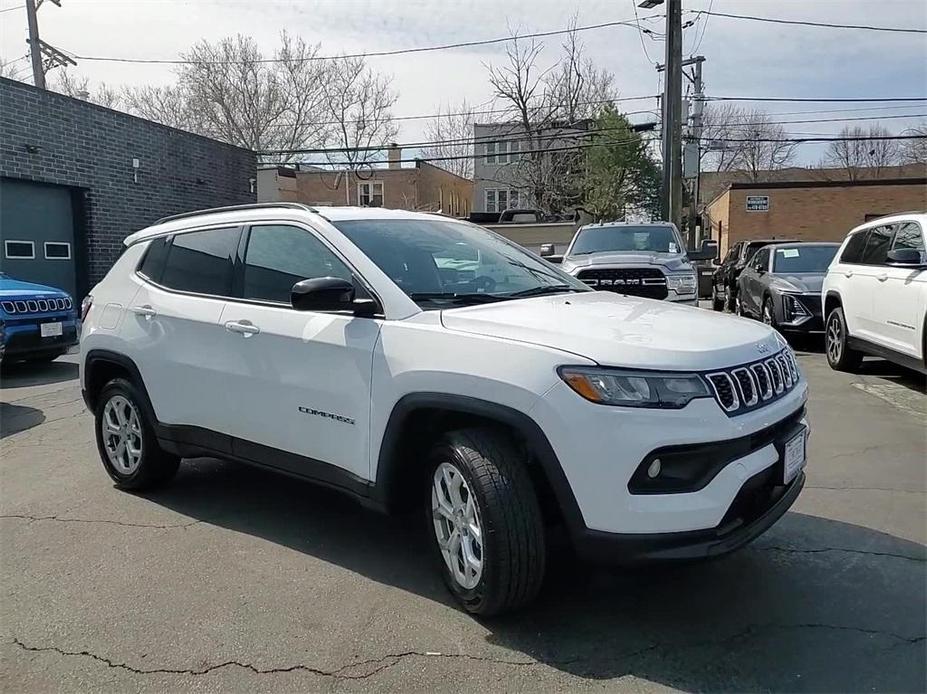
<point x="37" y="323"/>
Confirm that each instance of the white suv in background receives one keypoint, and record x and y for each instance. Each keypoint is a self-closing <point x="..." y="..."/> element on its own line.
<point x="501" y="397"/>
<point x="875" y="294"/>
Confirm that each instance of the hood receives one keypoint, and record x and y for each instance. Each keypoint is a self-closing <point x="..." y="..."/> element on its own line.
<point x="671" y="262"/>
<point x="616" y="330"/>
<point x="10" y="288"/>
<point x="806" y="282"/>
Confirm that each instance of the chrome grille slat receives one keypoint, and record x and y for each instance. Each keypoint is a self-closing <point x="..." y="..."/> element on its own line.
<point x="763" y="379"/>
<point x="9" y="306"/>
<point x="749" y="393"/>
<point x="21" y="307"/>
<point x="33" y="305"/>
<point x="725" y="390"/>
<point x="43" y="305"/>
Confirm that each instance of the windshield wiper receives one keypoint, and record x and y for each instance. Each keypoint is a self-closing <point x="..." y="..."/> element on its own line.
<point x="548" y="289"/>
<point x="467" y="298"/>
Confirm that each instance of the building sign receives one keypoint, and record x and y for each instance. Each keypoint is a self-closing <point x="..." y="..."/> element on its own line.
<point x="757" y="203"/>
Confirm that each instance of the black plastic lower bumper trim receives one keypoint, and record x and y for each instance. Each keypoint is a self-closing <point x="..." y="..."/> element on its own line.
<point x="612" y="548"/>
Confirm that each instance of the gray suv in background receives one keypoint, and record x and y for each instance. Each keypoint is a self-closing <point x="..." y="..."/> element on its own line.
<point x="648" y="260"/>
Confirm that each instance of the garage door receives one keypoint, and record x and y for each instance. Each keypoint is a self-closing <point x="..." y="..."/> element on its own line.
<point x="37" y="233"/>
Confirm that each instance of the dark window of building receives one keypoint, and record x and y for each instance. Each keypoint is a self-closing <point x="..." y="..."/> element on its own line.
<point x="202" y="262"/>
<point x="19" y="249"/>
<point x="877" y="245"/>
<point x="909" y="235"/>
<point x="153" y="263"/>
<point x="853" y="251"/>
<point x="57" y="250"/>
<point x="280" y="256"/>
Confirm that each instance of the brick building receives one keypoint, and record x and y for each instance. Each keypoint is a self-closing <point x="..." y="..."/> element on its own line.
<point x="77" y="178"/>
<point x="423" y="187"/>
<point x="807" y="210"/>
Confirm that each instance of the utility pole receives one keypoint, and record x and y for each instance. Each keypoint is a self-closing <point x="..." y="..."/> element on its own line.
<point x="672" y="115"/>
<point x="693" y="145"/>
<point x="39" y="50"/>
<point x="35" y="46"/>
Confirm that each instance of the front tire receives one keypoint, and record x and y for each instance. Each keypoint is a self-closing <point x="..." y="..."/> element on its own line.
<point x="769" y="313"/>
<point x="485" y="521"/>
<point x="126" y="440"/>
<point x="839" y="354"/>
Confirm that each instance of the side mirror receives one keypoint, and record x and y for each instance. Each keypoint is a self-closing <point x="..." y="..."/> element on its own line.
<point x="555" y="259"/>
<point x="547" y="250"/>
<point x="708" y="251"/>
<point x="905" y="257"/>
<point x="323" y="294"/>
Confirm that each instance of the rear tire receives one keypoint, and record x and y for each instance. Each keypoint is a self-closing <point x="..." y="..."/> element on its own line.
<point x="485" y="521"/>
<point x="839" y="354"/>
<point x="126" y="440"/>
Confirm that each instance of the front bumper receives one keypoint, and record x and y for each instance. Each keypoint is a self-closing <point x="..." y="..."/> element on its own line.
<point x="24" y="339"/>
<point x="599" y="449"/>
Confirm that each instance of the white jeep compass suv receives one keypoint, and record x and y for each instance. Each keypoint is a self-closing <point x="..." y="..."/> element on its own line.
<point x="875" y="294"/>
<point x="505" y="399"/>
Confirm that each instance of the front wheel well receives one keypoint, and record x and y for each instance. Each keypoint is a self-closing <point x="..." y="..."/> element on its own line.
<point x="831" y="301"/>
<point x="402" y="466"/>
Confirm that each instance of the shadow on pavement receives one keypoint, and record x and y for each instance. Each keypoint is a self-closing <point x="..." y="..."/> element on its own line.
<point x="893" y="373"/>
<point x="814" y="605"/>
<point x="23" y="374"/>
<point x="17" y="418"/>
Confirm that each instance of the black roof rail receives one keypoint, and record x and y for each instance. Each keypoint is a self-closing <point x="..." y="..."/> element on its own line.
<point x="233" y="208"/>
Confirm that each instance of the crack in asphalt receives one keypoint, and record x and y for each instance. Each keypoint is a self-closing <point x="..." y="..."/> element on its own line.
<point x="58" y="519"/>
<point x="866" y="489"/>
<point x="820" y="550"/>
<point x="389" y="660"/>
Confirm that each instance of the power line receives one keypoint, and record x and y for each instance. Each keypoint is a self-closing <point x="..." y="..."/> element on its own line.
<point x="704" y="29"/>
<point x="10" y="9"/>
<point x="827" y="25"/>
<point x="607" y="143"/>
<point x="373" y="54"/>
<point x="817" y="100"/>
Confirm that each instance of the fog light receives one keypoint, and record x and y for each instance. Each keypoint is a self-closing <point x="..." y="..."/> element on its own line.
<point x="654" y="468"/>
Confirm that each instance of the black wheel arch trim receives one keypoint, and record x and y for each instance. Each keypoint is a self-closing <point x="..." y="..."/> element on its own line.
<point x="389" y="458"/>
<point x="98" y="356"/>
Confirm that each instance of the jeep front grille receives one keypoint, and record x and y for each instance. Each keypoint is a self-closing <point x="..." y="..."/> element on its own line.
<point x="36" y="306"/>
<point x="754" y="385"/>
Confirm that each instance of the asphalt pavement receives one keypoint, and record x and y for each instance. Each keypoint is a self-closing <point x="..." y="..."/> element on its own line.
<point x="235" y="579"/>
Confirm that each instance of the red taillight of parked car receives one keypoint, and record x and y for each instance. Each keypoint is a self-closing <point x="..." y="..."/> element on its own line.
<point x="85" y="307"/>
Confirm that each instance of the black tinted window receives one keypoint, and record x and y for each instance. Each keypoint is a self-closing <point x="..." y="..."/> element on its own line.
<point x="761" y="259"/>
<point x="877" y="245"/>
<point x="853" y="252"/>
<point x="202" y="262"/>
<point x="909" y="235"/>
<point x="153" y="262"/>
<point x="279" y="256"/>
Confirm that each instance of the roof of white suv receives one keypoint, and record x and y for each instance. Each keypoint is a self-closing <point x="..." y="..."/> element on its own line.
<point x="261" y="211"/>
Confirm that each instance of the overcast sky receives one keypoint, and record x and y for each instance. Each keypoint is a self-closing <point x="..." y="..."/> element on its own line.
<point x="743" y="58"/>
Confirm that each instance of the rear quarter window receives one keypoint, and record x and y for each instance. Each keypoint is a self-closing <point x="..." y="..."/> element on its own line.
<point x="152" y="264"/>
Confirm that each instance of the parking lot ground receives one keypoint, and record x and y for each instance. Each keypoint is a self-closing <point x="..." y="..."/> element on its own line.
<point x="234" y="579"/>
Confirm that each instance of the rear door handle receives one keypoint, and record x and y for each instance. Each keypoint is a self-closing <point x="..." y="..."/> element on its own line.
<point x="882" y="277"/>
<point x="848" y="273"/>
<point x="245" y="328"/>
<point x="145" y="311"/>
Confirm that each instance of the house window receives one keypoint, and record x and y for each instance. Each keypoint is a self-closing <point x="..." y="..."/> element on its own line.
<point x="20" y="250"/>
<point x="502" y="152"/>
<point x="370" y="194"/>
<point x="57" y="250"/>
<point x="499" y="199"/>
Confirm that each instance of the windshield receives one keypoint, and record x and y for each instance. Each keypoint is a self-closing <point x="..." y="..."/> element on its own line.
<point x="655" y="239"/>
<point x="803" y="259"/>
<point x="437" y="261"/>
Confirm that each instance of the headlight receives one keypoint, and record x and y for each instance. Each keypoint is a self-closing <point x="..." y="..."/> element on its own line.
<point x="634" y="388"/>
<point x="681" y="284"/>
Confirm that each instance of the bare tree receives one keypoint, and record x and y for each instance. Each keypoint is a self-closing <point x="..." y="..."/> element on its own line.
<point x="78" y="86"/>
<point x="747" y="141"/>
<point x="358" y="102"/>
<point x="452" y="133"/>
<point x="547" y="109"/>
<point x="862" y="153"/>
<point x="10" y="69"/>
<point x="915" y="151"/>
<point x="170" y="105"/>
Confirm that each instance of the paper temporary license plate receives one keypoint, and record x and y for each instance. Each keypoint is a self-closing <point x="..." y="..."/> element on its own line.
<point x="794" y="456"/>
<point x="51" y="329"/>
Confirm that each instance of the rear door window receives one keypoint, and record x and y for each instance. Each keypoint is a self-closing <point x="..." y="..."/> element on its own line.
<point x="853" y="251"/>
<point x="877" y="245"/>
<point x="202" y="261"/>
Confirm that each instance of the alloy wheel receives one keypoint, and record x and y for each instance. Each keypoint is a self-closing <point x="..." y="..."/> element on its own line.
<point x="122" y="434"/>
<point x="458" y="529"/>
<point x="833" y="339"/>
<point x="767" y="314"/>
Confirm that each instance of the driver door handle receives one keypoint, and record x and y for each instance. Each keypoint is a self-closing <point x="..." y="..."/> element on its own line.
<point x="882" y="277"/>
<point x="145" y="311"/>
<point x="245" y="328"/>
